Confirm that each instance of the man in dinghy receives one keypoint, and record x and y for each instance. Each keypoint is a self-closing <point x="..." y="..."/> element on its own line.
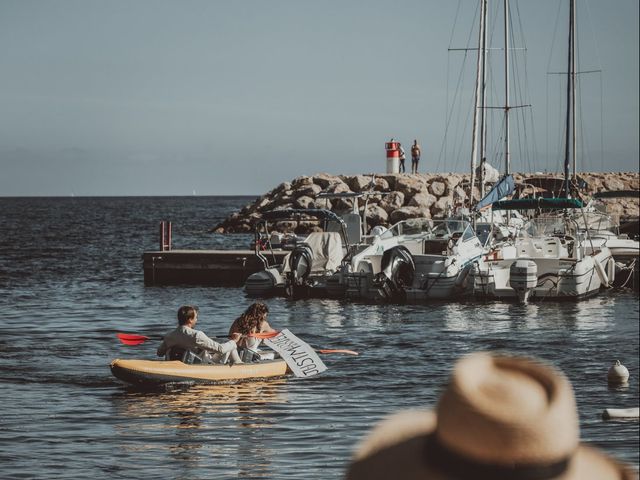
<point x="193" y="346"/>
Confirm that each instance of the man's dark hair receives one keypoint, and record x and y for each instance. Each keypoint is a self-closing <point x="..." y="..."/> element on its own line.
<point x="186" y="313"/>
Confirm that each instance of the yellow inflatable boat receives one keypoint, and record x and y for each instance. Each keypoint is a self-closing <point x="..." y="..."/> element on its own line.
<point x="158" y="372"/>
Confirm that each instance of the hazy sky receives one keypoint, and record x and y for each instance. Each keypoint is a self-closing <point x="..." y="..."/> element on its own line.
<point x="152" y="97"/>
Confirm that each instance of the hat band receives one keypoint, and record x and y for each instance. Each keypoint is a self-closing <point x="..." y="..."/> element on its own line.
<point x="442" y="458"/>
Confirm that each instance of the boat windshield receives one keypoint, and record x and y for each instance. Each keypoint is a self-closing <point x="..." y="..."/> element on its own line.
<point x="548" y="226"/>
<point x="596" y="222"/>
<point x="483" y="230"/>
<point x="413" y="226"/>
<point x="446" y="228"/>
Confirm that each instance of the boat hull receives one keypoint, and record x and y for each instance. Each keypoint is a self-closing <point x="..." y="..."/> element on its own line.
<point x="159" y="372"/>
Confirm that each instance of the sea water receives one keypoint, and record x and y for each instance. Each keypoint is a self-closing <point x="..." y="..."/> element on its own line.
<point x="71" y="277"/>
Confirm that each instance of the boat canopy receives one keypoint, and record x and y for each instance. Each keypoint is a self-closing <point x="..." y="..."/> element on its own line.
<point x="320" y="213"/>
<point x="540" y="202"/>
<point x="617" y="194"/>
<point x="504" y="187"/>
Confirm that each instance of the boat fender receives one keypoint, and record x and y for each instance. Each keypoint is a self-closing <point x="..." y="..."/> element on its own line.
<point x="617" y="374"/>
<point x="622" y="413"/>
<point x="611" y="270"/>
<point x="601" y="273"/>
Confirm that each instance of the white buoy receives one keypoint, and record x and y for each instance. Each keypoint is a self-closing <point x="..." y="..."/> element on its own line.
<point x="618" y="373"/>
<point x="613" y="413"/>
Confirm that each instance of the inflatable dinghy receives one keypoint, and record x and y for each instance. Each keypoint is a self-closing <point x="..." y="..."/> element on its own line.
<point x="158" y="372"/>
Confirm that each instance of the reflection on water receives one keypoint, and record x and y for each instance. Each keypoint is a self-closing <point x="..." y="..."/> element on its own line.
<point x="244" y="399"/>
<point x="194" y="422"/>
<point x="499" y="317"/>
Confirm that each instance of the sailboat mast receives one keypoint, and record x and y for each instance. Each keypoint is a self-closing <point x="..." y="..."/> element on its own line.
<point x="573" y="86"/>
<point x="507" y="159"/>
<point x="483" y="110"/>
<point x="570" y="100"/>
<point x="476" y="111"/>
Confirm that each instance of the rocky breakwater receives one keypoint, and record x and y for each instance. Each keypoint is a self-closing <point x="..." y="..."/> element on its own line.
<point x="395" y="197"/>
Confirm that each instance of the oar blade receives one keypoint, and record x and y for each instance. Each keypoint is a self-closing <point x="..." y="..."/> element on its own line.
<point x="131" y="339"/>
<point x="346" y="352"/>
<point x="264" y="335"/>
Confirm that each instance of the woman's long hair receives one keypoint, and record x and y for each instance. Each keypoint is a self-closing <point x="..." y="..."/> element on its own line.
<point x="251" y="319"/>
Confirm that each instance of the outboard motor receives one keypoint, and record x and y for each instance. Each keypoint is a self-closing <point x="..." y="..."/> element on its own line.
<point x="300" y="262"/>
<point x="523" y="278"/>
<point x="398" y="271"/>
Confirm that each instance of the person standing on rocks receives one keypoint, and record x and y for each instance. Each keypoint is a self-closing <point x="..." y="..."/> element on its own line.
<point x="402" y="156"/>
<point x="415" y="156"/>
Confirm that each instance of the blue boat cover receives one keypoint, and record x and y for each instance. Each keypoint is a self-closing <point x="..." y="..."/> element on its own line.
<point x="504" y="187"/>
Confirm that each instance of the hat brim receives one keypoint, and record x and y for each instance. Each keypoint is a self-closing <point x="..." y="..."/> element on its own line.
<point x="396" y="449"/>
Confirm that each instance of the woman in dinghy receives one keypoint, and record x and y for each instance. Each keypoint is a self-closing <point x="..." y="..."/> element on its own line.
<point x="252" y="320"/>
<point x="193" y="346"/>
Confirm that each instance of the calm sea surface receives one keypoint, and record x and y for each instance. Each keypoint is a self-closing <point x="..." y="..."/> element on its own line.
<point x="71" y="277"/>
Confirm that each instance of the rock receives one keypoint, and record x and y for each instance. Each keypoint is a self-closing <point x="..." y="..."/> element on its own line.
<point x="304" y="202"/>
<point x="341" y="205"/>
<point x="407" y="212"/>
<point x="301" y="182"/>
<point x="437" y="188"/>
<point x="339" y="187"/>
<point x="392" y="202"/>
<point x="459" y="194"/>
<point x="324" y="180"/>
<point x="359" y="183"/>
<point x="613" y="183"/>
<point x="452" y="181"/>
<point x="323" y="203"/>
<point x="409" y="184"/>
<point x="278" y="202"/>
<point x="412" y="195"/>
<point x="280" y="188"/>
<point x="307" y="226"/>
<point x="442" y="207"/>
<point x="376" y="215"/>
<point x="391" y="179"/>
<point x="381" y="185"/>
<point x="283" y="225"/>
<point x="284" y="206"/>
<point x="309" y="190"/>
<point x="422" y="200"/>
<point x="263" y="205"/>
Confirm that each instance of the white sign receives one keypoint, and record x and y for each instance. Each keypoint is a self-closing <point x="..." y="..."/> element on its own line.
<point x="301" y="358"/>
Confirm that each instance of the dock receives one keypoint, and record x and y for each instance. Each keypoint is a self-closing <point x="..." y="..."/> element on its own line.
<point x="205" y="267"/>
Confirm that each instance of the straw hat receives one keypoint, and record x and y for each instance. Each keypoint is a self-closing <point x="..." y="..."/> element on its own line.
<point x="499" y="418"/>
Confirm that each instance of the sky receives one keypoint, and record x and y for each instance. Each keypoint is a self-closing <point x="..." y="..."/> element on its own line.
<point x="233" y="97"/>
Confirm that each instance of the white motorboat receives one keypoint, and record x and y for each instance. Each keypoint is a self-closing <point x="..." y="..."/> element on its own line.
<point x="549" y="258"/>
<point x="373" y="271"/>
<point x="304" y="270"/>
<point x="440" y="270"/>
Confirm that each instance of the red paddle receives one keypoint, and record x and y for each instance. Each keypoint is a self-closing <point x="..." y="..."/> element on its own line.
<point x="134" y="339"/>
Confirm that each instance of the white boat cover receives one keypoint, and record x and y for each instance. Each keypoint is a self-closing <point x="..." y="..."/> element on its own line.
<point x="327" y="252"/>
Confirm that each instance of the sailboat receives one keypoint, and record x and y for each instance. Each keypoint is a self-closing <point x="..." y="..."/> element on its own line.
<point x="550" y="257"/>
